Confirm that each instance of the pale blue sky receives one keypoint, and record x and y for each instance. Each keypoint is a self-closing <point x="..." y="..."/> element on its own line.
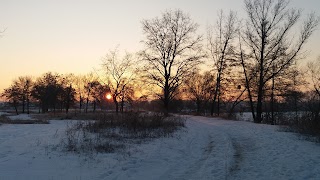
<point x="71" y="36"/>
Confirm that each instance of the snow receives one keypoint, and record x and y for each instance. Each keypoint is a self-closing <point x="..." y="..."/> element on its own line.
<point x="244" y="116"/>
<point x="208" y="148"/>
<point x="20" y="117"/>
<point x="3" y="113"/>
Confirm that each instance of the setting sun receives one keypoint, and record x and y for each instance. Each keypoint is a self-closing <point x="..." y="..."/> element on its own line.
<point x="108" y="96"/>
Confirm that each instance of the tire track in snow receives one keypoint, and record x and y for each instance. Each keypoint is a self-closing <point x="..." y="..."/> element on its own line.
<point x="236" y="148"/>
<point x="197" y="155"/>
<point x="212" y="163"/>
<point x="237" y="156"/>
<point x="194" y="171"/>
<point x="187" y="154"/>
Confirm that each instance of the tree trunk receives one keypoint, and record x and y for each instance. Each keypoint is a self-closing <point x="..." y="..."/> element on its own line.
<point x="215" y="95"/>
<point x="23" y="104"/>
<point x="15" y="107"/>
<point x="117" y="107"/>
<point x="272" y="103"/>
<point x="198" y="106"/>
<point x="166" y="107"/>
<point x="68" y="98"/>
<point x="259" y="102"/>
<point x="122" y="105"/>
<point x="218" y="105"/>
<point x="261" y="73"/>
<point x="116" y="103"/>
<point x="28" y="105"/>
<point x="80" y="104"/>
<point x="94" y="106"/>
<point x="87" y="104"/>
<point x="248" y="86"/>
<point x="166" y="99"/>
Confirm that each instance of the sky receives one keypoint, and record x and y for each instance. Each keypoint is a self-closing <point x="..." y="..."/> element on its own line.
<point x="72" y="36"/>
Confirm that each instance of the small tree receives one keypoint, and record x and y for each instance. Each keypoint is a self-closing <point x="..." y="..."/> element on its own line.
<point x="78" y="85"/>
<point x="20" y="92"/>
<point x="199" y="88"/>
<point x="12" y="94"/>
<point x="120" y="73"/>
<point x="314" y="71"/>
<point x="27" y="85"/>
<point x="98" y="92"/>
<point x="89" y="82"/>
<point x="314" y="68"/>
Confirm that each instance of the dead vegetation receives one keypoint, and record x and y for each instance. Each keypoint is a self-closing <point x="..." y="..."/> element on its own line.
<point x="110" y="132"/>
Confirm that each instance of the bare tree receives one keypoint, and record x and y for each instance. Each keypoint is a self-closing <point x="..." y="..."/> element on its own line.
<point x="89" y="82"/>
<point x="314" y="101"/>
<point x="20" y="92"/>
<point x="127" y="95"/>
<point x="172" y="50"/>
<point x="199" y="88"/>
<point x="314" y="71"/>
<point x="268" y="36"/>
<point x="26" y="84"/>
<point x="220" y="45"/>
<point x="12" y="94"/>
<point x="120" y="73"/>
<point x="79" y="85"/>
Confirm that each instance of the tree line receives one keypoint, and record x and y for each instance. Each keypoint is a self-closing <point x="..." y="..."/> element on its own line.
<point x="251" y="62"/>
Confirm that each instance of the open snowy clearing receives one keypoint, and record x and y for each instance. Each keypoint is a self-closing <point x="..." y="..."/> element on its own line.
<point x="208" y="148"/>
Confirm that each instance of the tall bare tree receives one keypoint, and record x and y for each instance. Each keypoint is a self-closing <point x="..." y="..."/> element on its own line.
<point x="220" y="45"/>
<point x="172" y="50"/>
<point x="267" y="35"/>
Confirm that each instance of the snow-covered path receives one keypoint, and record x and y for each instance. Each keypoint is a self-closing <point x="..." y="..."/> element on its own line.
<point x="207" y="149"/>
<point x="220" y="149"/>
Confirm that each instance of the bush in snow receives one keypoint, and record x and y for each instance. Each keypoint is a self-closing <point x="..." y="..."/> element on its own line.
<point x="111" y="131"/>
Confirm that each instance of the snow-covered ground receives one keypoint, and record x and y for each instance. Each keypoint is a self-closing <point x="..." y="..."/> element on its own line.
<point x="3" y="113"/>
<point x="20" y="117"/>
<point x="207" y="149"/>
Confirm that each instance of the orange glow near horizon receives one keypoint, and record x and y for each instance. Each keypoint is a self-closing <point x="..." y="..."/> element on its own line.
<point x="108" y="96"/>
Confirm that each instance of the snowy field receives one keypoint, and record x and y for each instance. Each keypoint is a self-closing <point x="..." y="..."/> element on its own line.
<point x="207" y="148"/>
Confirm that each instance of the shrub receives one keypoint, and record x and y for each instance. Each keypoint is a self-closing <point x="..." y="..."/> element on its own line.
<point x="110" y="132"/>
<point x="305" y="123"/>
<point x="308" y="123"/>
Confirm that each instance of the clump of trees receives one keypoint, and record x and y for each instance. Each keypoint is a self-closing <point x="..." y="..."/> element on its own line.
<point x="271" y="52"/>
<point x="252" y="65"/>
<point x="55" y="92"/>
